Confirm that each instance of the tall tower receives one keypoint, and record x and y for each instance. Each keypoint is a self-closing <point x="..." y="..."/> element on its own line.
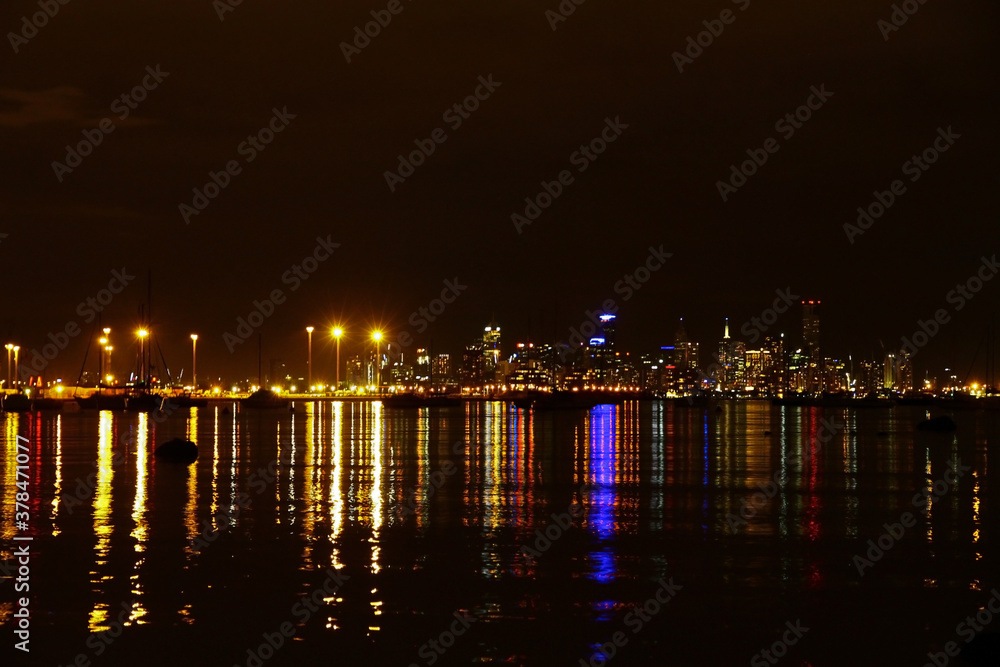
<point x="491" y="351"/>
<point x="725" y="374"/>
<point x="608" y="329"/>
<point x="810" y="334"/>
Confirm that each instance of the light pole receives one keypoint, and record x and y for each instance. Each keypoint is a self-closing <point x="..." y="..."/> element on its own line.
<point x="105" y="342"/>
<point x="142" y="355"/>
<point x="378" y="360"/>
<point x="309" y="363"/>
<point x="16" y="381"/>
<point x="194" y="362"/>
<point x="337" y="333"/>
<point x="10" y="347"/>
<point x="100" y="359"/>
<point x="110" y="375"/>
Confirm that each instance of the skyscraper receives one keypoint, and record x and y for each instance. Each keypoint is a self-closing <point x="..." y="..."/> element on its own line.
<point x="725" y="376"/>
<point x="810" y="336"/>
<point x="491" y="352"/>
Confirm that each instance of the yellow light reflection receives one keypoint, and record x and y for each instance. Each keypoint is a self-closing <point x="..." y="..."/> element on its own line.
<point x="102" y="518"/>
<point x="141" y="531"/>
<point x="376" y="494"/>
<point x="336" y="494"/>
<point x="57" y="490"/>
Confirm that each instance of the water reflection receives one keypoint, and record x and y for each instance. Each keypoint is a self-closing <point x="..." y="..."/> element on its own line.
<point x="386" y="495"/>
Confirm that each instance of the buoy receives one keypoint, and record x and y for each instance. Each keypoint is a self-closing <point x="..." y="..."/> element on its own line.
<point x="177" y="451"/>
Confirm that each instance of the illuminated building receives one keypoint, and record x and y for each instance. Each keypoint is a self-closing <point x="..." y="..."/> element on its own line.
<point x="724" y="374"/>
<point x="904" y="372"/>
<point x="442" y="367"/>
<point x="491" y="353"/>
<point x="355" y="372"/>
<point x="473" y="365"/>
<point x="889" y="377"/>
<point x="869" y="379"/>
<point x="810" y="336"/>
<point x="685" y="360"/>
<point x="422" y="369"/>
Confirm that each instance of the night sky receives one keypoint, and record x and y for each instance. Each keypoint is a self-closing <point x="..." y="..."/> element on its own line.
<point x="655" y="185"/>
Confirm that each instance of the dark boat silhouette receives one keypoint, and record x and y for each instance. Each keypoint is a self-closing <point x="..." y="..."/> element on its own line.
<point x="264" y="399"/>
<point x="101" y="400"/>
<point x="16" y="403"/>
<point x="187" y="401"/>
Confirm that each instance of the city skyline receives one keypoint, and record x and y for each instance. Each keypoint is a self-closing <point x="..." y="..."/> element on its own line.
<point x="725" y="363"/>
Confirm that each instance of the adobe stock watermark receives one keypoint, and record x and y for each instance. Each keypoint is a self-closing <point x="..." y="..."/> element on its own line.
<point x="713" y="28"/>
<point x="293" y="276"/>
<point x="38" y="20"/>
<point x="223" y="7"/>
<point x="432" y="650"/>
<point x="560" y="524"/>
<point x="86" y="309"/>
<point x="638" y="617"/>
<point x="786" y="126"/>
<point x="959" y="296"/>
<point x="901" y="13"/>
<point x="434" y="481"/>
<point x="581" y="158"/>
<point x="372" y="29"/>
<point x="967" y="629"/>
<point x="563" y="11"/>
<point x="749" y="509"/>
<point x="914" y="168"/>
<point x="249" y="148"/>
<point x="454" y="116"/>
<point x="755" y="326"/>
<point x="779" y="649"/>
<point x="98" y="642"/>
<point x="627" y="286"/>
<point x="423" y="316"/>
<point x="122" y="106"/>
<point x="307" y="605"/>
<point x="225" y="518"/>
<point x="922" y="501"/>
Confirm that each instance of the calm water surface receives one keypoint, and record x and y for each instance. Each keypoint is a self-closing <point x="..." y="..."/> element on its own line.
<point x="402" y="527"/>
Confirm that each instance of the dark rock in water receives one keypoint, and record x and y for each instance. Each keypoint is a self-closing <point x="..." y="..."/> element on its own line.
<point x="941" y="424"/>
<point x="177" y="451"/>
<point x="982" y="651"/>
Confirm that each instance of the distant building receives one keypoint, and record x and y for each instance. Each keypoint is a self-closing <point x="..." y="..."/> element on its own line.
<point x="491" y="354"/>
<point x="442" y="368"/>
<point x="904" y="372"/>
<point x="810" y="336"/>
<point x="725" y="375"/>
<point x="277" y="374"/>
<point x="356" y="372"/>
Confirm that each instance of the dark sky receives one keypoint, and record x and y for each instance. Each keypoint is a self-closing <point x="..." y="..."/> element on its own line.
<point x="323" y="175"/>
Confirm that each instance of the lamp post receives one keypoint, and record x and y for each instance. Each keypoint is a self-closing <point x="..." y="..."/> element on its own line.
<point x="110" y="375"/>
<point x="194" y="362"/>
<point x="100" y="359"/>
<point x="10" y="347"/>
<point x="337" y="333"/>
<point x="378" y="360"/>
<point x="142" y="355"/>
<point x="16" y="382"/>
<point x="105" y="342"/>
<point x="309" y="363"/>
